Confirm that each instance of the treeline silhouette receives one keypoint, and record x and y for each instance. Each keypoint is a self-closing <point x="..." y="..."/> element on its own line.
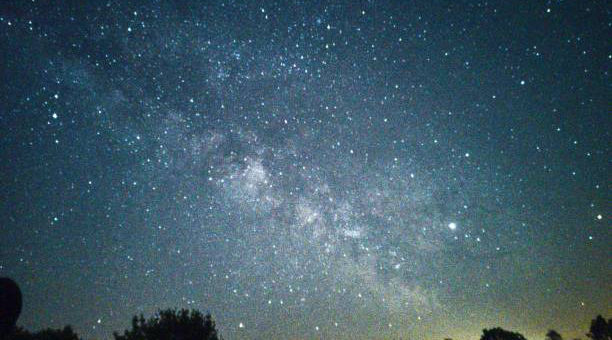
<point x="168" y="324"/>
<point x="171" y="324"/>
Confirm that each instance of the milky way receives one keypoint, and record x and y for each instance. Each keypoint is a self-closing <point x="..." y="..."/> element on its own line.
<point x="308" y="170"/>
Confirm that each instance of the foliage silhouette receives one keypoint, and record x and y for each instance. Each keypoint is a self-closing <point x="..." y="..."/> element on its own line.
<point x="10" y="305"/>
<point x="553" y="335"/>
<point x="46" y="334"/>
<point x="600" y="329"/>
<point x="170" y="324"/>
<point x="183" y="324"/>
<point x="500" y="334"/>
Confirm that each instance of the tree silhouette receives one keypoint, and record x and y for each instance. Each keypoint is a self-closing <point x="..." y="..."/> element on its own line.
<point x="600" y="329"/>
<point x="46" y="334"/>
<point x="553" y="335"/>
<point x="500" y="334"/>
<point x="10" y="305"/>
<point x="171" y="325"/>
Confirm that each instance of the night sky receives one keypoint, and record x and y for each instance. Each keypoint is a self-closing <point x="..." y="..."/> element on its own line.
<point x="308" y="170"/>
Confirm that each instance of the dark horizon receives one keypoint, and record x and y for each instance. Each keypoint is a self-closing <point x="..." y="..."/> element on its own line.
<point x="295" y="168"/>
<point x="193" y="325"/>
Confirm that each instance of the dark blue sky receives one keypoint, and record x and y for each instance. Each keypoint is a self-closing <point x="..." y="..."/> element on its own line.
<point x="347" y="170"/>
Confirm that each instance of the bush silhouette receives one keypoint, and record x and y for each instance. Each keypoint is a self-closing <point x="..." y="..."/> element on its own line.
<point x="46" y="334"/>
<point x="170" y="324"/>
<point x="553" y="335"/>
<point x="600" y="329"/>
<point x="500" y="334"/>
